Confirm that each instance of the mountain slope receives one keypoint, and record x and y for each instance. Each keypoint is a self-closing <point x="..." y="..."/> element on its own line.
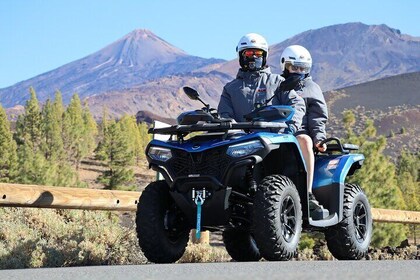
<point x="392" y="103"/>
<point x="162" y="97"/>
<point x="137" y="57"/>
<point x="348" y="54"/>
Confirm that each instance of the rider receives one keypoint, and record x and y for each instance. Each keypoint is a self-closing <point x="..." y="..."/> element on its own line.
<point x="255" y="83"/>
<point x="296" y="60"/>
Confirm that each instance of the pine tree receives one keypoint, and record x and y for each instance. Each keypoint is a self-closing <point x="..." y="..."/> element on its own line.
<point x="101" y="149"/>
<point x="53" y="147"/>
<point x="408" y="179"/>
<point x="32" y="166"/>
<point x="378" y="179"/>
<point x="73" y="131"/>
<point x="8" y="154"/>
<point x="28" y="127"/>
<point x="31" y="162"/>
<point x="58" y="172"/>
<point x="115" y="149"/>
<point x="90" y="132"/>
<point x="130" y="129"/>
<point x="41" y="156"/>
<point x="145" y="138"/>
<point x="58" y="106"/>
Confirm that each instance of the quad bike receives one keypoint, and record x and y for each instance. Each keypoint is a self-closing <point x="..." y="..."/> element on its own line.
<point x="248" y="180"/>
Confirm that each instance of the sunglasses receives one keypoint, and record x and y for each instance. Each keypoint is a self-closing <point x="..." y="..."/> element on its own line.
<point x="249" y="53"/>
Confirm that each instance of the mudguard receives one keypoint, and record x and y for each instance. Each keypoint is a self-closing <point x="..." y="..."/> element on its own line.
<point x="330" y="174"/>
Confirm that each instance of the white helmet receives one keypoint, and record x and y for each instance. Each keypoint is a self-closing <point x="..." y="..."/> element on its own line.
<point x="298" y="56"/>
<point x="252" y="41"/>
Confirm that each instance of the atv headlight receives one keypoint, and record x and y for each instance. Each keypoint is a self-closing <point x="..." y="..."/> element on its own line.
<point x="244" y="149"/>
<point x="159" y="153"/>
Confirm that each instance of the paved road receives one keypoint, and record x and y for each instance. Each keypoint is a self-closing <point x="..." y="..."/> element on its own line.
<point x="318" y="270"/>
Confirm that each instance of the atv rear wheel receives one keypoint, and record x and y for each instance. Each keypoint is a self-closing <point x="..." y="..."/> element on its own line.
<point x="277" y="218"/>
<point x="350" y="239"/>
<point x="240" y="245"/>
<point x="161" y="228"/>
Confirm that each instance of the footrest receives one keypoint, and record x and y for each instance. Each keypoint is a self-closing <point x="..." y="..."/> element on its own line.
<point x="319" y="214"/>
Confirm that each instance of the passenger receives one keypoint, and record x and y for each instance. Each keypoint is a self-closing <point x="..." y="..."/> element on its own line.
<point x="296" y="60"/>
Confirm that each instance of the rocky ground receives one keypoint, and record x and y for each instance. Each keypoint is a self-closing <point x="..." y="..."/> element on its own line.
<point x="403" y="252"/>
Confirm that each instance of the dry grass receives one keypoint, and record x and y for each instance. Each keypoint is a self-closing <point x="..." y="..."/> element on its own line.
<point x="55" y="238"/>
<point x="199" y="253"/>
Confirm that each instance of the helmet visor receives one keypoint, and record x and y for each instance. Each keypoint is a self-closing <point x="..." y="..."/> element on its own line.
<point x="298" y="67"/>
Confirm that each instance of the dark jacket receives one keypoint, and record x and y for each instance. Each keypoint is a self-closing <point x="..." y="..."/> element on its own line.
<point x="240" y="95"/>
<point x="313" y="123"/>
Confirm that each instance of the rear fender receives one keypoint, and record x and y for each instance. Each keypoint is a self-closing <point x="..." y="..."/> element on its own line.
<point x="330" y="174"/>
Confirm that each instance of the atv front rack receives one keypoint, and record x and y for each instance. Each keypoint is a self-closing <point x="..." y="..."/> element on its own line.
<point x="222" y="126"/>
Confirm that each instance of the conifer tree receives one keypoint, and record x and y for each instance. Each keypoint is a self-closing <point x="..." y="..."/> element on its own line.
<point x="8" y="153"/>
<point x="90" y="132"/>
<point x="58" y="106"/>
<point x="53" y="146"/>
<point x="31" y="162"/>
<point x="145" y="138"/>
<point x="73" y="131"/>
<point x="101" y="149"/>
<point x="28" y="127"/>
<point x="408" y="179"/>
<point x="115" y="149"/>
<point x="41" y="153"/>
<point x="378" y="179"/>
<point x="58" y="171"/>
<point x="129" y="128"/>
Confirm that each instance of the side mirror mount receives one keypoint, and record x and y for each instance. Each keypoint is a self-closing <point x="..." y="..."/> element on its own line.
<point x="193" y="94"/>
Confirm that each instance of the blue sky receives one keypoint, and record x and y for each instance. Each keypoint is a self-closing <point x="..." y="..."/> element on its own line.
<point x="38" y="36"/>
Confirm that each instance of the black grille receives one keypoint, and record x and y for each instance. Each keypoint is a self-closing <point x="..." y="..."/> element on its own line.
<point x="211" y="162"/>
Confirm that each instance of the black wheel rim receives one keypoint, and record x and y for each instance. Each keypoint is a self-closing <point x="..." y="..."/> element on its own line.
<point x="173" y="226"/>
<point x="288" y="218"/>
<point x="360" y="220"/>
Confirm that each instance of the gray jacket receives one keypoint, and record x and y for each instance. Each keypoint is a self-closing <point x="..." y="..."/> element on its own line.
<point x="240" y="95"/>
<point x="316" y="116"/>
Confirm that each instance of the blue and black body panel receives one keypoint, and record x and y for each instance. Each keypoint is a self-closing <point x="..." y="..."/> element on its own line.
<point x="203" y="162"/>
<point x="330" y="175"/>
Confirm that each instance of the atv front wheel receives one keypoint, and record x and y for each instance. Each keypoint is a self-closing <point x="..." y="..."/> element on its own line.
<point x="350" y="239"/>
<point x="277" y="218"/>
<point x="161" y="228"/>
<point x="240" y="245"/>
